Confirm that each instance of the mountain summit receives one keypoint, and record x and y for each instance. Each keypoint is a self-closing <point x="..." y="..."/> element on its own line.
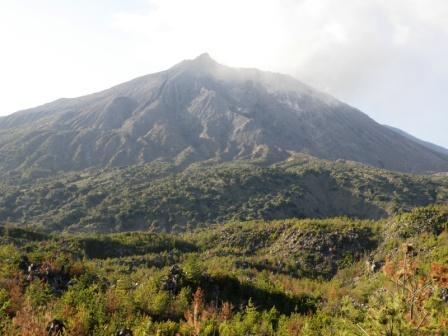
<point x="201" y="110"/>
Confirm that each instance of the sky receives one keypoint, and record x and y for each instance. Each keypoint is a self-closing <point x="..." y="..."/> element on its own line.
<point x="389" y="58"/>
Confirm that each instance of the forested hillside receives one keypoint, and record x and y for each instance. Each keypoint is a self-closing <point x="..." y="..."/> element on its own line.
<point x="156" y="196"/>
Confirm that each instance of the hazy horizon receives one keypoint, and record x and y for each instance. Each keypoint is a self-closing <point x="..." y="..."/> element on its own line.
<point x="385" y="58"/>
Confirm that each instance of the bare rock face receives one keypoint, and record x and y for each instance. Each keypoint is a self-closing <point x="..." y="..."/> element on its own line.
<point x="200" y="110"/>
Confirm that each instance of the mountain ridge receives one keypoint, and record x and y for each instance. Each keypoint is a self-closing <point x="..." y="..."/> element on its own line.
<point x="430" y="145"/>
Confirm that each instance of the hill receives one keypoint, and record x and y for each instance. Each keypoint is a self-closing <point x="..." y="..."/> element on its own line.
<point x="159" y="197"/>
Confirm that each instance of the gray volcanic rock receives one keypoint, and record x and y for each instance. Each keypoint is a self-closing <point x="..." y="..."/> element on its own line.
<point x="201" y="110"/>
<point x="429" y="145"/>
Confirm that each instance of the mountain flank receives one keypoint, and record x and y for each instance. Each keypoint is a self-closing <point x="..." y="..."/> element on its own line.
<point x="429" y="145"/>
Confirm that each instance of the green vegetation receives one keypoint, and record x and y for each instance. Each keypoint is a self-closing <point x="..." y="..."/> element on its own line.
<point x="308" y="277"/>
<point x="156" y="197"/>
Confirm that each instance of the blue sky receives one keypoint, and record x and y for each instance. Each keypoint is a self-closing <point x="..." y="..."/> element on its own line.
<point x="385" y="57"/>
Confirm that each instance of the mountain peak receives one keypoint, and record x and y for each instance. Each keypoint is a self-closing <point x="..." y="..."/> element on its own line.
<point x="201" y="63"/>
<point x="204" y="58"/>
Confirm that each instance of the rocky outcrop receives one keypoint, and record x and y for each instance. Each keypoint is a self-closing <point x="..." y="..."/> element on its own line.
<point x="303" y="248"/>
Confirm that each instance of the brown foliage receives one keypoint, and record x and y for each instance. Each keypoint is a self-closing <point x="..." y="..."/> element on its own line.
<point x="15" y="287"/>
<point x="295" y="327"/>
<point x="194" y="315"/>
<point x="439" y="274"/>
<point x="200" y="312"/>
<point x="416" y="288"/>
<point x="226" y="311"/>
<point x="28" y="323"/>
<point x="112" y="301"/>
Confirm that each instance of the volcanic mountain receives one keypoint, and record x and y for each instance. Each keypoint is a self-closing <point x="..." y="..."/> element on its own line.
<point x="200" y="110"/>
